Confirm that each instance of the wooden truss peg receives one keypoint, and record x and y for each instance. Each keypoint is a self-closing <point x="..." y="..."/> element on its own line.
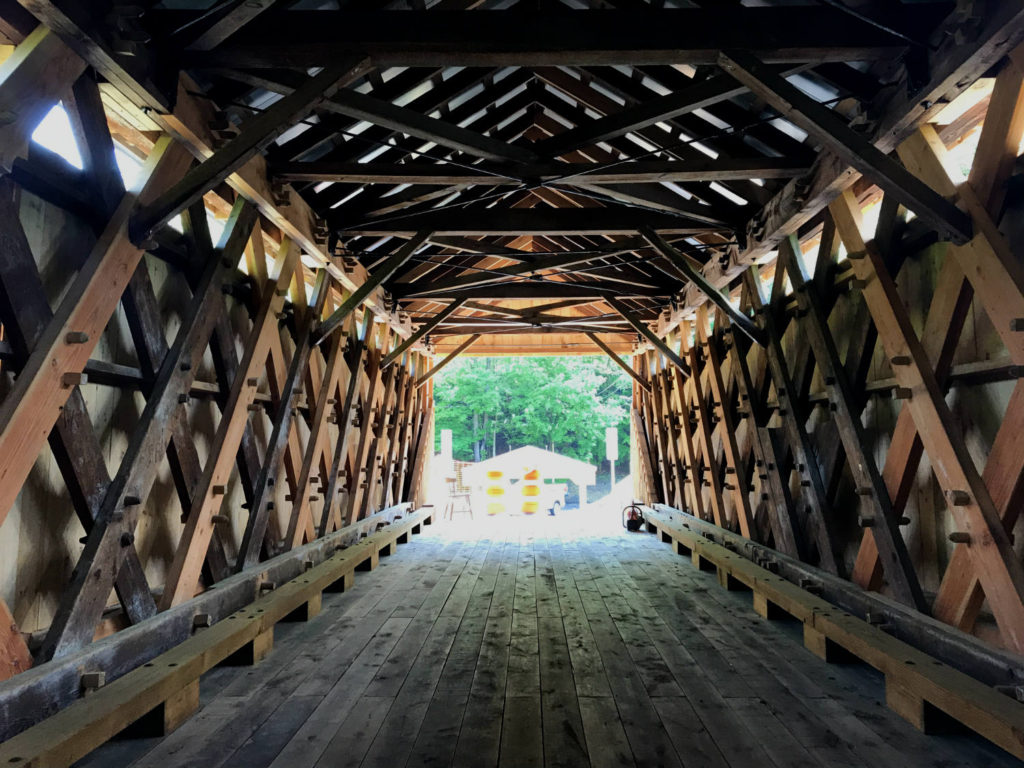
<point x="866" y="522"/>
<point x="960" y="537"/>
<point x="202" y="620"/>
<point x="69" y="380"/>
<point x="218" y="490"/>
<point x="902" y="393"/>
<point x="132" y="501"/>
<point x="1017" y="324"/>
<point x="958" y="498"/>
<point x="220" y="519"/>
<point x="900" y="360"/>
<point x="253" y="382"/>
<point x="183" y="398"/>
<point x="76" y="337"/>
<point x="93" y="681"/>
<point x="255" y="406"/>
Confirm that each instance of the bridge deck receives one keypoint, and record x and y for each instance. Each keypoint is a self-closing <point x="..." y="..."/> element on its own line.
<point x="513" y="643"/>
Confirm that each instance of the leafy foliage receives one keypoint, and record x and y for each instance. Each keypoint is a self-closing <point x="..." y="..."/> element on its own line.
<point x="564" y="404"/>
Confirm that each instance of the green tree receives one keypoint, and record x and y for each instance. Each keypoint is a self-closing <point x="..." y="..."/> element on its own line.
<point x="564" y="404"/>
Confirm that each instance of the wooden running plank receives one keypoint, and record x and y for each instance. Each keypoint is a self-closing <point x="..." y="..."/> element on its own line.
<point x="78" y="729"/>
<point x="994" y="715"/>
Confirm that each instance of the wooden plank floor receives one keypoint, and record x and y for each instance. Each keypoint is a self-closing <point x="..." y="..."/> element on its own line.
<point x="519" y="643"/>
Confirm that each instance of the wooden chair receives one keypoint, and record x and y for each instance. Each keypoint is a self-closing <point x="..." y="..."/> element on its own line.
<point x="458" y="501"/>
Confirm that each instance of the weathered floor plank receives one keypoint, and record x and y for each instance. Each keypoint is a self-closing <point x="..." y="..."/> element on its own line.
<point x="519" y="642"/>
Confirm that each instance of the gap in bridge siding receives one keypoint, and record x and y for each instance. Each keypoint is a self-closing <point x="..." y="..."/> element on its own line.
<point x="529" y="641"/>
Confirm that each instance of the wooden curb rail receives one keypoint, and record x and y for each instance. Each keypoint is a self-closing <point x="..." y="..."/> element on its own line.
<point x="918" y="687"/>
<point x="168" y="686"/>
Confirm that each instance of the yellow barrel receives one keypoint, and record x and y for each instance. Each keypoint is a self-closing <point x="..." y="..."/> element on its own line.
<point x="531" y="490"/>
<point x="496" y="491"/>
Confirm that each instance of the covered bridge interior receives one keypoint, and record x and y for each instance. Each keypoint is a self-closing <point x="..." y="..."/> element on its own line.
<point x="796" y="224"/>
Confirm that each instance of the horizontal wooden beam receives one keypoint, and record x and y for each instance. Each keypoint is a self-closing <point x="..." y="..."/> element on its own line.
<point x="921" y="680"/>
<point x="593" y="37"/>
<point x="536" y="221"/>
<point x="531" y="329"/>
<point x="89" y="722"/>
<point x="535" y="290"/>
<point x="493" y="274"/>
<point x="446" y="174"/>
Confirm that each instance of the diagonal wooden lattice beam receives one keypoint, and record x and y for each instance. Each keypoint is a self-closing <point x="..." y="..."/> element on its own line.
<point x="821" y="514"/>
<point x="259" y="513"/>
<point x="736" y="481"/>
<point x="368" y="414"/>
<point x="424" y="328"/>
<point x="995" y="280"/>
<point x="998" y="568"/>
<point x="183" y="575"/>
<point x="33" y="405"/>
<point x="874" y="497"/>
<point x="357" y="354"/>
<point x="451" y="356"/>
<point x="774" y="491"/>
<point x="826" y="126"/>
<point x="82" y="603"/>
<point x="682" y="263"/>
<point x="646" y="332"/>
